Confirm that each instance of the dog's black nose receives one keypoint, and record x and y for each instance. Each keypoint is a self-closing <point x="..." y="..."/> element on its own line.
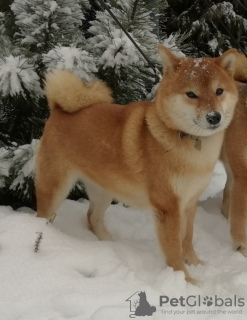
<point x="213" y="117"/>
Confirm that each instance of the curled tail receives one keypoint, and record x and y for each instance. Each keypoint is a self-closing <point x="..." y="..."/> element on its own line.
<point x="240" y="73"/>
<point x="65" y="90"/>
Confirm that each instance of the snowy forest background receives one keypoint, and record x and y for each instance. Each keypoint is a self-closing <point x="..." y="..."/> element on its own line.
<point x="81" y="36"/>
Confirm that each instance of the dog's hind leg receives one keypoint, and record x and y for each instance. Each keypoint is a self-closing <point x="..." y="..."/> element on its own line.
<point x="99" y="202"/>
<point x="53" y="183"/>
<point x="238" y="213"/>
<point x="227" y="192"/>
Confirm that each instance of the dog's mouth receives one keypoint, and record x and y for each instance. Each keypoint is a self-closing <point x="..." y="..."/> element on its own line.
<point x="207" y="125"/>
<point x="214" y="126"/>
<point x="203" y="128"/>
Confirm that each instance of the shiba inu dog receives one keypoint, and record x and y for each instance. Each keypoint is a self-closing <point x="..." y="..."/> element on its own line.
<point x="234" y="156"/>
<point x="157" y="155"/>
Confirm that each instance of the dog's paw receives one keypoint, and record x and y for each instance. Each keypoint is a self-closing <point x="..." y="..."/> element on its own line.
<point x="105" y="236"/>
<point x="51" y="219"/>
<point x="192" y="259"/>
<point x="102" y="234"/>
<point x="242" y="248"/>
<point x="192" y="281"/>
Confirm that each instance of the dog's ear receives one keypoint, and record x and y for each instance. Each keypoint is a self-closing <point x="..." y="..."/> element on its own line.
<point x="169" y="60"/>
<point x="227" y="60"/>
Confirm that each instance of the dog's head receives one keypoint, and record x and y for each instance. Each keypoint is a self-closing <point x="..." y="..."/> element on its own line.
<point x="197" y="96"/>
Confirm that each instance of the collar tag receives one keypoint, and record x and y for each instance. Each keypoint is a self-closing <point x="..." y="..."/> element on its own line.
<point x="198" y="143"/>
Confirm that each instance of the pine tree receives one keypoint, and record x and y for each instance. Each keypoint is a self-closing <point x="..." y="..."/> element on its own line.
<point x="32" y="33"/>
<point x="211" y="26"/>
<point x="36" y="28"/>
<point x="120" y="64"/>
<point x="37" y="36"/>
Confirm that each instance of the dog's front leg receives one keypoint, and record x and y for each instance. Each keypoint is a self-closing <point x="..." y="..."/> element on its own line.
<point x="169" y="234"/>
<point x="187" y="226"/>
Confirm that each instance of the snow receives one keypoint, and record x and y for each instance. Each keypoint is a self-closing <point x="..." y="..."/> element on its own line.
<point x="118" y="50"/>
<point x="170" y="43"/>
<point x="114" y="48"/>
<point x="34" y="20"/>
<point x="66" y="10"/>
<point x="213" y="44"/>
<point x="53" y="6"/>
<point x="2" y="27"/>
<point x="25" y="155"/>
<point x="4" y="166"/>
<point x="16" y="73"/>
<point x="73" y="59"/>
<point x="20" y="163"/>
<point x="75" y="276"/>
<point x="198" y="62"/>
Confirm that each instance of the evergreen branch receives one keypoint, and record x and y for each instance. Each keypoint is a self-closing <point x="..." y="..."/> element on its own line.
<point x="133" y="14"/>
<point x="241" y="5"/>
<point x="6" y="142"/>
<point x="156" y="71"/>
<point x="38" y="241"/>
<point x="229" y="33"/>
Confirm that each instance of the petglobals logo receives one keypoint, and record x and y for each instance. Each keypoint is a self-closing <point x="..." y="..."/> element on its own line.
<point x="139" y="306"/>
<point x="199" y="301"/>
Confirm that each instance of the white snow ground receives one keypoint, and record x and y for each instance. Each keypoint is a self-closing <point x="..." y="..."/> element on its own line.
<point x="75" y="276"/>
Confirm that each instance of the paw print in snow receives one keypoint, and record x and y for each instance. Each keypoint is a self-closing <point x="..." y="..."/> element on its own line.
<point x="208" y="301"/>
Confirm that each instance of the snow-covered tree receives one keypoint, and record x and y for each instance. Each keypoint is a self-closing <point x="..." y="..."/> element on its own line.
<point x="31" y="30"/>
<point x="211" y="26"/>
<point x="17" y="172"/>
<point x="73" y="59"/>
<point x="43" y="24"/>
<point x="219" y="29"/>
<point x="120" y="64"/>
<point x="39" y="35"/>
<point x="35" y="36"/>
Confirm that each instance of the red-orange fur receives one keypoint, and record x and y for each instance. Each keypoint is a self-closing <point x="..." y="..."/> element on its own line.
<point x="135" y="153"/>
<point x="234" y="156"/>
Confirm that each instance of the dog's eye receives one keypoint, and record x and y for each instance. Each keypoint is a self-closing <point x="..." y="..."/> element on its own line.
<point x="219" y="91"/>
<point x="191" y="95"/>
